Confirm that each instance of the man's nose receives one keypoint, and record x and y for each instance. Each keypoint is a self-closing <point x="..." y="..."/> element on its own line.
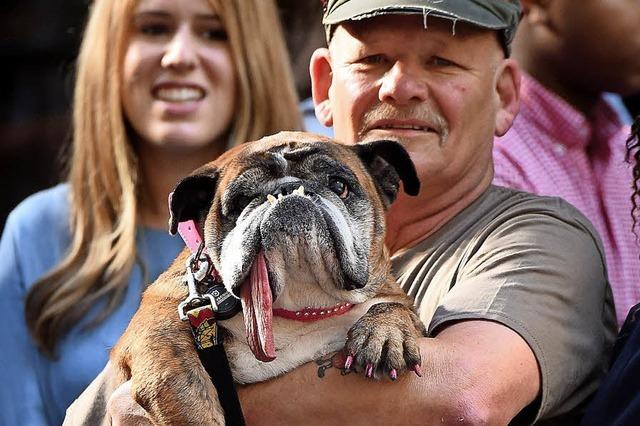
<point x="180" y="53"/>
<point x="402" y="85"/>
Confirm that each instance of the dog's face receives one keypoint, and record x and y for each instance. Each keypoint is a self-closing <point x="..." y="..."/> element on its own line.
<point x="296" y="219"/>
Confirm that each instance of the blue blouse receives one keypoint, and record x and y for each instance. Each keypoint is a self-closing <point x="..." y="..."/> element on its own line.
<point x="36" y="390"/>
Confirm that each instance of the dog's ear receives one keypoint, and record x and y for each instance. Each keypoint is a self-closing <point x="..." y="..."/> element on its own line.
<point x="192" y="197"/>
<point x="389" y="163"/>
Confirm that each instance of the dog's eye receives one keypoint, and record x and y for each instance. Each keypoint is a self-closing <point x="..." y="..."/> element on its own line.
<point x="339" y="186"/>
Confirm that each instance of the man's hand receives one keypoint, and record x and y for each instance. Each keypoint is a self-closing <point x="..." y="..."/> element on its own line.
<point x="124" y="410"/>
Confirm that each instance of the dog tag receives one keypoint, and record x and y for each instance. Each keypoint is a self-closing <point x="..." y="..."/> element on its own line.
<point x="228" y="305"/>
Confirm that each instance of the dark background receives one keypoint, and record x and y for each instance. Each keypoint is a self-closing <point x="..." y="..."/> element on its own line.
<point x="38" y="43"/>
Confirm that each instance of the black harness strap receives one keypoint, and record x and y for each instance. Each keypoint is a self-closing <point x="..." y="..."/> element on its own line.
<point x="214" y="359"/>
<point x="216" y="363"/>
<point x="202" y="312"/>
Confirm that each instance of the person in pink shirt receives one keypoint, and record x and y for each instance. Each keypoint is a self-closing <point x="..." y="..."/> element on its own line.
<point x="568" y="140"/>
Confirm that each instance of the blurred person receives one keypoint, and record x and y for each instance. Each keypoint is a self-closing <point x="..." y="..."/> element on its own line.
<point x="569" y="139"/>
<point x="498" y="275"/>
<point x="304" y="34"/>
<point x="618" y="398"/>
<point x="162" y="87"/>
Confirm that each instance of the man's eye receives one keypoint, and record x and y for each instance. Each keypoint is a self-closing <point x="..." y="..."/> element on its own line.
<point x="373" y="59"/>
<point x="441" y="62"/>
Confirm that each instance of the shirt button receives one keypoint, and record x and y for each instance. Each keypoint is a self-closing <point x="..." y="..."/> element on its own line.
<point x="559" y="149"/>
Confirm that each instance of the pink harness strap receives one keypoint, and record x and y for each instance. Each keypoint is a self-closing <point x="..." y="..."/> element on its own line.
<point x="189" y="233"/>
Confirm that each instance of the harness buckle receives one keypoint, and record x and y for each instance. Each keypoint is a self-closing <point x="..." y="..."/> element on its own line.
<point x="195" y="299"/>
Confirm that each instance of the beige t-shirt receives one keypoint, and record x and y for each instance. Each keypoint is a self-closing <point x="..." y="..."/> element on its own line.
<point x="534" y="264"/>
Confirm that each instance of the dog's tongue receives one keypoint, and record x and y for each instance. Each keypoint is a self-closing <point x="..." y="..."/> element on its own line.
<point x="255" y="295"/>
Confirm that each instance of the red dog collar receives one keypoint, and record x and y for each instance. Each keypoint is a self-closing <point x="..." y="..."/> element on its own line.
<point x="313" y="314"/>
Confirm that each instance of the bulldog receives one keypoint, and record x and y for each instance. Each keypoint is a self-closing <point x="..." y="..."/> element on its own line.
<point x="295" y="224"/>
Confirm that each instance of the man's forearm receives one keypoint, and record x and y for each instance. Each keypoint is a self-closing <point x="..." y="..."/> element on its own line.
<point x="302" y="396"/>
<point x="474" y="372"/>
<point x="455" y="387"/>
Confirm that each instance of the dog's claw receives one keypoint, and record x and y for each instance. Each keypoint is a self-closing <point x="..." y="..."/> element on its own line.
<point x="416" y="369"/>
<point x="369" y="371"/>
<point x="348" y="362"/>
<point x="384" y="341"/>
<point x="393" y="374"/>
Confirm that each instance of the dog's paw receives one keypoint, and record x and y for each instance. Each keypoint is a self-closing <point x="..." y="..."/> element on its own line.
<point x="385" y="340"/>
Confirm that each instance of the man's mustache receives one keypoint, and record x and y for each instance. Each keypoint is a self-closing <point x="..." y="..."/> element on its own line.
<point x="420" y="113"/>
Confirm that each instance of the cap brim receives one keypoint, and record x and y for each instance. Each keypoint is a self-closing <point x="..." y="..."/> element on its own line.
<point x="451" y="9"/>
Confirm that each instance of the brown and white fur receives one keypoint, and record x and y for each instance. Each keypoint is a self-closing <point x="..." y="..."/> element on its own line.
<point x="321" y="248"/>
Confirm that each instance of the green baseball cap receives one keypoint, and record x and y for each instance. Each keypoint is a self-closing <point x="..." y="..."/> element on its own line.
<point x="497" y="15"/>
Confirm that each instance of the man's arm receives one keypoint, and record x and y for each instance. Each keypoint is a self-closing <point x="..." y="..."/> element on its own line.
<point x="474" y="372"/>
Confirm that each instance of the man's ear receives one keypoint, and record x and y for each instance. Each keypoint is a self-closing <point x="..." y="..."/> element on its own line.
<point x="321" y="76"/>
<point x="389" y="163"/>
<point x="508" y="91"/>
<point x="192" y="198"/>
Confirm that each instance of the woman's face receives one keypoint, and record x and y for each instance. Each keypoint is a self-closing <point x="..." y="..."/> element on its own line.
<point x="178" y="78"/>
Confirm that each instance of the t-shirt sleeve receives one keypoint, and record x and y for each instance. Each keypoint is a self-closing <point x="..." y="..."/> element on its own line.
<point x="542" y="274"/>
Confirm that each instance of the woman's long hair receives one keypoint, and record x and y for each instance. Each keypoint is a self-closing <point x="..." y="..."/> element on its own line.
<point x="103" y="170"/>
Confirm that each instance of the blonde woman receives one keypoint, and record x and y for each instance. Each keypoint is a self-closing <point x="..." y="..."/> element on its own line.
<point x="162" y="87"/>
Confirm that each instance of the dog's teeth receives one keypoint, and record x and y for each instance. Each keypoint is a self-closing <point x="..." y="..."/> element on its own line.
<point x="272" y="200"/>
<point x="299" y="191"/>
<point x="280" y="196"/>
<point x="298" y="313"/>
<point x="321" y="312"/>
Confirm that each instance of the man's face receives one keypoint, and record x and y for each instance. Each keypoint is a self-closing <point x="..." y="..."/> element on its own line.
<point x="598" y="43"/>
<point x="432" y="89"/>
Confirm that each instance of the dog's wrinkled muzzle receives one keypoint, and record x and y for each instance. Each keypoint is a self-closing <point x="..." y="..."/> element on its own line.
<point x="257" y="302"/>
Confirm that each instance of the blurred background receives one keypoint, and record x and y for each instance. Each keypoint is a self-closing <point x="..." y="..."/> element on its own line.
<point x="39" y="41"/>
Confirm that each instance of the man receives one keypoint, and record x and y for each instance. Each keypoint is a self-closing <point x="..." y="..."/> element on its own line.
<point x="568" y="140"/>
<point x="511" y="285"/>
